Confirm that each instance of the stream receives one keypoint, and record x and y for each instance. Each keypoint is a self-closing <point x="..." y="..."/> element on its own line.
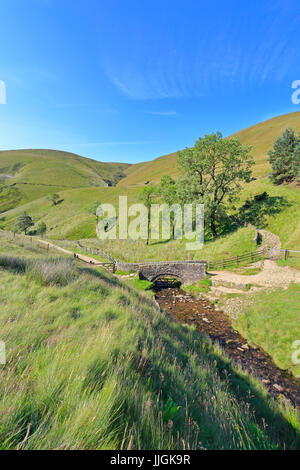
<point x="209" y="320"/>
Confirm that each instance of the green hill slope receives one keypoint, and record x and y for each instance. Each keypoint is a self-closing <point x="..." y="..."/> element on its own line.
<point x="26" y="175"/>
<point x="71" y="220"/>
<point x="261" y="137"/>
<point x="94" y="364"/>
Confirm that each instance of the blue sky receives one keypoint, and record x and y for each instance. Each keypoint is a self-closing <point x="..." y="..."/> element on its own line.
<point x="128" y="80"/>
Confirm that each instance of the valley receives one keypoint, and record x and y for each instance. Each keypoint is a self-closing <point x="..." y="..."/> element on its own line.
<point x="209" y="366"/>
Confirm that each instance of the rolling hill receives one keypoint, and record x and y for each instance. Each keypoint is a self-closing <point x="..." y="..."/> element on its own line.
<point x="93" y="363"/>
<point x="26" y="175"/>
<point x="82" y="181"/>
<point x="261" y="136"/>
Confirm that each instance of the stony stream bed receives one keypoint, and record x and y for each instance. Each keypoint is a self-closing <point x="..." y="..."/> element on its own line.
<point x="209" y="320"/>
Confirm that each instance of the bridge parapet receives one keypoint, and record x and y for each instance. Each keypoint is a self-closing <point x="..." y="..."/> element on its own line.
<point x="187" y="272"/>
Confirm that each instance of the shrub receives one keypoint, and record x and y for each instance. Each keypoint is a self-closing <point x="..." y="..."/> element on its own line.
<point x="41" y="228"/>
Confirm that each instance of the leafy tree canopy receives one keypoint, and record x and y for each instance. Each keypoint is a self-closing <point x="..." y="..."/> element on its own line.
<point x="23" y="222"/>
<point x="41" y="228"/>
<point x="212" y="173"/>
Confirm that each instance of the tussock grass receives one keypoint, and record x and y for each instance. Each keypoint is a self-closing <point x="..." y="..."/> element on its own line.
<point x="95" y="365"/>
<point x="46" y="271"/>
<point x="14" y="263"/>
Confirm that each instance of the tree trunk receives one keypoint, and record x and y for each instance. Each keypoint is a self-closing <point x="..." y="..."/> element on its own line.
<point x="213" y="225"/>
<point x="173" y="232"/>
<point x="147" y="243"/>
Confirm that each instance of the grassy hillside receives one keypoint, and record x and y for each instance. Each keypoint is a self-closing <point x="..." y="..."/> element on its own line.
<point x="94" y="364"/>
<point x="152" y="171"/>
<point x="271" y="320"/>
<point x="70" y="218"/>
<point x="280" y="213"/>
<point x="26" y="175"/>
<point x="261" y="137"/>
<point x="169" y="250"/>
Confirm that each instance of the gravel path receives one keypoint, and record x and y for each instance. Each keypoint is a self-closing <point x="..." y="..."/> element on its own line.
<point x="86" y="259"/>
<point x="271" y="275"/>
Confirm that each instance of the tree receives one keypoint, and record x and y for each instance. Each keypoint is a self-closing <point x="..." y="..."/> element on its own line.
<point x="296" y="163"/>
<point x="285" y="157"/>
<point x="23" y="222"/>
<point x="212" y="173"/>
<point x="41" y="228"/>
<point x="167" y="191"/>
<point x="54" y="198"/>
<point x="148" y="196"/>
<point x="92" y="209"/>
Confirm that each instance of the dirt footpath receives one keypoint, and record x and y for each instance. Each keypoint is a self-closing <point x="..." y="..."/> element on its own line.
<point x="86" y="259"/>
<point x="271" y="275"/>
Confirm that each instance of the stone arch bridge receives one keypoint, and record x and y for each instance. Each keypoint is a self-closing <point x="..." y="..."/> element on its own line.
<point x="186" y="272"/>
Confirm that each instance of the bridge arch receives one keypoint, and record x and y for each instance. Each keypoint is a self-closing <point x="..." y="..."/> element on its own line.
<point x="186" y="272"/>
<point x="160" y="276"/>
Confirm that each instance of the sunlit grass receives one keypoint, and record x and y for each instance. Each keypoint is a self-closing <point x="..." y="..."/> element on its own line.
<point x="95" y="365"/>
<point x="271" y="320"/>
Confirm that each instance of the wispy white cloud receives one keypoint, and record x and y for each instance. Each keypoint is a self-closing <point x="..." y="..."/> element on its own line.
<point x="142" y="84"/>
<point x="224" y="53"/>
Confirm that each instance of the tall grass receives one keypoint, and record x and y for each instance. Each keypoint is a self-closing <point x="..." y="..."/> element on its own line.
<point x="52" y="271"/>
<point x="46" y="271"/>
<point x="241" y="241"/>
<point x="14" y="263"/>
<point x="95" y="365"/>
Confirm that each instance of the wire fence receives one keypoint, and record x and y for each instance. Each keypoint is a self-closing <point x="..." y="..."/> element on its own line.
<point x="28" y="241"/>
<point x="95" y="251"/>
<point x="25" y="240"/>
<point x="289" y="254"/>
<point x="224" y="263"/>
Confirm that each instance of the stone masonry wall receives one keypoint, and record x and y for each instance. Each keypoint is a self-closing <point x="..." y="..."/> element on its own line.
<point x="187" y="272"/>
